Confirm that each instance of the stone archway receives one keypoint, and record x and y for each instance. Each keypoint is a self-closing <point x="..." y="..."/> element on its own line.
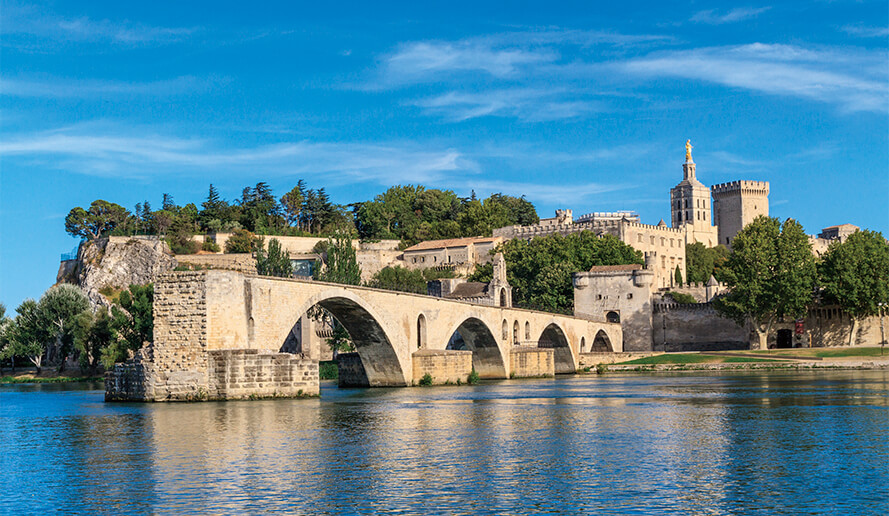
<point x="474" y="335"/>
<point x="563" y="358"/>
<point x="601" y="344"/>
<point x="375" y="352"/>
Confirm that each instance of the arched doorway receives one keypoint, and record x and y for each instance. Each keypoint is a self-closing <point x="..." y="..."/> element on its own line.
<point x="612" y="317"/>
<point x="601" y="344"/>
<point x="502" y="297"/>
<point x="474" y="335"/>
<point x="553" y="337"/>
<point x="784" y="339"/>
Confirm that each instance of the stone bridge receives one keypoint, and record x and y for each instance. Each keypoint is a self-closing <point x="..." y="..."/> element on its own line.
<point x="222" y="335"/>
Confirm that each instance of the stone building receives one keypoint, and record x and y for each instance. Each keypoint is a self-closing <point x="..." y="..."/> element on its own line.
<point x="451" y="252"/>
<point x="690" y="206"/>
<point x="829" y="235"/>
<point x="617" y="293"/>
<point x="736" y="204"/>
<point x="497" y="292"/>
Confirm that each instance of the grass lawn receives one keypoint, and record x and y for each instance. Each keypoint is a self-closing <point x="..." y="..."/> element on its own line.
<point x="52" y="379"/>
<point x="691" y="358"/>
<point x="826" y="352"/>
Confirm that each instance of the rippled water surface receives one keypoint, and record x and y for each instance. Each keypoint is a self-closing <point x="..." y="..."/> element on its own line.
<point x="752" y="443"/>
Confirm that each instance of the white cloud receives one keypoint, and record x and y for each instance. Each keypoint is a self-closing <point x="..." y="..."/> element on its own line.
<point x="855" y="80"/>
<point x="110" y="153"/>
<point x="737" y="14"/>
<point x="866" y="32"/>
<point x="562" y="194"/>
<point x="38" y="22"/>
<point x="526" y="104"/>
<point x="75" y="88"/>
<point x="426" y="61"/>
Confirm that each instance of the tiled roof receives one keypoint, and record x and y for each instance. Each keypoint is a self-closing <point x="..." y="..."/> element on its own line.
<point x="452" y="242"/>
<point x="469" y="289"/>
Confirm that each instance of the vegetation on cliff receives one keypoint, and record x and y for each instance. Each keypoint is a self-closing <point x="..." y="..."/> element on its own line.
<point x="405" y="212"/>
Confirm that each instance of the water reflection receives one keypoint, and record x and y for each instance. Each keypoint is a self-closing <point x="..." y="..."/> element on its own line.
<point x="729" y="443"/>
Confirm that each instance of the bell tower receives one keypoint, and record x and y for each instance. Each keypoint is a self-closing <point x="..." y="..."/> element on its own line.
<point x="690" y="206"/>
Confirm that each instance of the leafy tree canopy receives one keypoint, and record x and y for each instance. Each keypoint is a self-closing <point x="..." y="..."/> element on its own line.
<point x="102" y="217"/>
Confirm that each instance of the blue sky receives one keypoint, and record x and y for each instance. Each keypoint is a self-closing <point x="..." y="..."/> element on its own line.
<point x="572" y="104"/>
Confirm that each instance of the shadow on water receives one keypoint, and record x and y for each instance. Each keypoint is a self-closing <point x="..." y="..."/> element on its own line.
<point x="682" y="443"/>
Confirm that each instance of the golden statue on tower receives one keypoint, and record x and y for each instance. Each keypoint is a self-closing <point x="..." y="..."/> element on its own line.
<point x="688" y="148"/>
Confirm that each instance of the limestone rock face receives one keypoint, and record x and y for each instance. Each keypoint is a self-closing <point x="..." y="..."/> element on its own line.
<point x="116" y="262"/>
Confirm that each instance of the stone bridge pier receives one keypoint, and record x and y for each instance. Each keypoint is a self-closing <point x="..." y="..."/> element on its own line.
<point x="221" y="335"/>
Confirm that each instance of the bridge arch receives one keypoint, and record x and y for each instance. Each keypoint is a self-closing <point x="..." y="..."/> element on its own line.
<point x="382" y="363"/>
<point x="475" y="336"/>
<point x="602" y="343"/>
<point x="563" y="357"/>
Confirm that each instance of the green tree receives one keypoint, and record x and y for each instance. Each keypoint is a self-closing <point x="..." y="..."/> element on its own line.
<point x="133" y="315"/>
<point x="93" y="335"/>
<point x="292" y="203"/>
<point x="342" y="262"/>
<point x="677" y="276"/>
<point x="25" y="336"/>
<point x="339" y="341"/>
<point x="275" y="262"/>
<point x="855" y="276"/>
<point x="102" y="217"/>
<point x="771" y="273"/>
<point x="241" y="241"/>
<point x="57" y="310"/>
<point x="406" y="280"/>
<point x="703" y="262"/>
<point x="540" y="271"/>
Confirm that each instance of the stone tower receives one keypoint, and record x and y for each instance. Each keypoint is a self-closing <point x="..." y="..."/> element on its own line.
<point x="736" y="204"/>
<point x="690" y="205"/>
<point x="499" y="287"/>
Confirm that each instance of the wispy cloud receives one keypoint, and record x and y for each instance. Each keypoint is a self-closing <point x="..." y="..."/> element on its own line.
<point x="526" y="104"/>
<point x="75" y="88"/>
<point x="866" y="32"/>
<point x="23" y="20"/>
<point x="109" y="153"/>
<point x="853" y="80"/>
<point x="564" y="194"/>
<point x="714" y="17"/>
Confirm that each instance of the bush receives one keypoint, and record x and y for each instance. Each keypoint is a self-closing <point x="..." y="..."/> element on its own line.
<point x="241" y="241"/>
<point x="682" y="299"/>
<point x="472" y="378"/>
<point x="328" y="370"/>
<point x="426" y="381"/>
<point x="210" y="245"/>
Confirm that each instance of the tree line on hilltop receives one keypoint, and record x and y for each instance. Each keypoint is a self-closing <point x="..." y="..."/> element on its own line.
<point x="406" y="212"/>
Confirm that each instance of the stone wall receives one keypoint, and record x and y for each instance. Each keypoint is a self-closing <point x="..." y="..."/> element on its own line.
<point x="591" y="359"/>
<point x="445" y="366"/>
<point x="351" y="371"/>
<point x="528" y="362"/>
<point x="241" y="262"/>
<point x="623" y="292"/>
<point x="695" y="327"/>
<point x="247" y="373"/>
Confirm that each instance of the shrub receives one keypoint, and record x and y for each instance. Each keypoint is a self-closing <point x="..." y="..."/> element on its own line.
<point x="426" y="381"/>
<point x="472" y="378"/>
<point x="682" y="299"/>
<point x="241" y="241"/>
<point x="210" y="245"/>
<point x="327" y="370"/>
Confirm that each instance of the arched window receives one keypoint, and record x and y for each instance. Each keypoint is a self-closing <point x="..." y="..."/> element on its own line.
<point x="527" y="330"/>
<point x="612" y="317"/>
<point x="515" y="333"/>
<point x="421" y="331"/>
<point x="502" y="297"/>
<point x="505" y="330"/>
<point x="583" y="344"/>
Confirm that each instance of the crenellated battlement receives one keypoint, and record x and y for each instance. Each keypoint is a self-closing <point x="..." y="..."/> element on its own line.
<point x="758" y="187"/>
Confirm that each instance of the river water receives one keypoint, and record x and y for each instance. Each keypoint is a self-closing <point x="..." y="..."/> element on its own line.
<point x="742" y="443"/>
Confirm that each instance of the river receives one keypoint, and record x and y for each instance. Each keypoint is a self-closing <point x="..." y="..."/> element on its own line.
<point x="729" y="443"/>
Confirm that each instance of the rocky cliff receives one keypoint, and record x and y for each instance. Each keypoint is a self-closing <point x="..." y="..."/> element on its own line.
<point x="116" y="262"/>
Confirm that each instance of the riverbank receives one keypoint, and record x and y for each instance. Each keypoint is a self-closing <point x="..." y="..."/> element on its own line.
<point x="790" y="359"/>
<point x="46" y="376"/>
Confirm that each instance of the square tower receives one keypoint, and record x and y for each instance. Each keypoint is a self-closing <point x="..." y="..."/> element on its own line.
<point x="736" y="204"/>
